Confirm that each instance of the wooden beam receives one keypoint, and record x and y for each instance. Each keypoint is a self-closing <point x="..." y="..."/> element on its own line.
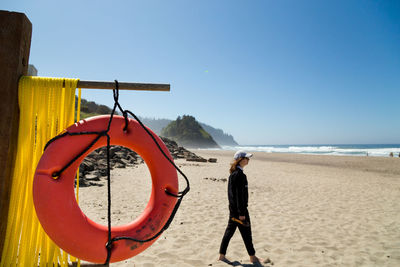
<point x="124" y="86"/>
<point x="15" y="42"/>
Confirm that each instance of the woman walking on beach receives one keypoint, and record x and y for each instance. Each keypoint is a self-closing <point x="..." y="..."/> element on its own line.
<point x="238" y="214"/>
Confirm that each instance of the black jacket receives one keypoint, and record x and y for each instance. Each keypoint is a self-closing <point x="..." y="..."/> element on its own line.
<point x="238" y="194"/>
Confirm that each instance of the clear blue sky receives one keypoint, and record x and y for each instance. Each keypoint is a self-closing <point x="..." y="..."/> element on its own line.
<point x="267" y="72"/>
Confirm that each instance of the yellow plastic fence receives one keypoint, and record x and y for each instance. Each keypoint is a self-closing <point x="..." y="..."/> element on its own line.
<point x="46" y="108"/>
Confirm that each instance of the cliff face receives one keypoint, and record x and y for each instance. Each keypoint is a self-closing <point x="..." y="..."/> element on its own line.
<point x="189" y="133"/>
<point x="222" y="139"/>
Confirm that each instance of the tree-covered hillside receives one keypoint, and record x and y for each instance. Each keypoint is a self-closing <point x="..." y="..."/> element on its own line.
<point x="187" y="132"/>
<point x="91" y="108"/>
<point x="222" y="139"/>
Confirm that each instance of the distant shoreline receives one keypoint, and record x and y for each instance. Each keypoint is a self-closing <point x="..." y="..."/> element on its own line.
<point x="373" y="150"/>
<point x="381" y="165"/>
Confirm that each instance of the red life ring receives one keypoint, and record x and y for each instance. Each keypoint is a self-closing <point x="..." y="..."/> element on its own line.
<point x="59" y="213"/>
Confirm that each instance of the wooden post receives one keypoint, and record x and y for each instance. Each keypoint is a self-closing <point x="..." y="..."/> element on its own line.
<point x="15" y="42"/>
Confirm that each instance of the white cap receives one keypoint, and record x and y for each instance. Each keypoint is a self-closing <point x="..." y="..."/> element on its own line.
<point x="242" y="154"/>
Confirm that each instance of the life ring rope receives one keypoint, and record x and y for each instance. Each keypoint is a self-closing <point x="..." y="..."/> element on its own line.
<point x="100" y="134"/>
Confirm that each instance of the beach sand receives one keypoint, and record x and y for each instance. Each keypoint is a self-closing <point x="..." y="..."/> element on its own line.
<point x="306" y="210"/>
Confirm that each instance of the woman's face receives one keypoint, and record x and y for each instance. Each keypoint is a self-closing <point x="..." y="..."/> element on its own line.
<point x="244" y="162"/>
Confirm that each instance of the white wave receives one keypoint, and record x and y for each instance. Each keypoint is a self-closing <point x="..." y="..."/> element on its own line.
<point x="320" y="150"/>
<point x="311" y="149"/>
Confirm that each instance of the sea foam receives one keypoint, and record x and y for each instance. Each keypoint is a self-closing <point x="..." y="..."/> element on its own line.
<point x="338" y="150"/>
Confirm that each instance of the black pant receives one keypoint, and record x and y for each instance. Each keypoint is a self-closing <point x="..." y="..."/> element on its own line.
<point x="244" y="231"/>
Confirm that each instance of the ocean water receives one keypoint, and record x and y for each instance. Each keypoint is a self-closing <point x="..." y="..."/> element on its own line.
<point x="338" y="150"/>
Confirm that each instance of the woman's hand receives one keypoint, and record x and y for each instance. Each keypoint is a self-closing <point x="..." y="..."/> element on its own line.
<point x="242" y="218"/>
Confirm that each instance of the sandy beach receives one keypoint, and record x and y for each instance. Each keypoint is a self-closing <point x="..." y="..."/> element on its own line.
<point x="306" y="210"/>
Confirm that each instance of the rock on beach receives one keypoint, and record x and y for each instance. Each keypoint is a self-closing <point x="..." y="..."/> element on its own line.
<point x="94" y="166"/>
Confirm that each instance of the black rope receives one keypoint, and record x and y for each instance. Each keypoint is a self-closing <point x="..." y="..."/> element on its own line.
<point x="57" y="174"/>
<point x="100" y="134"/>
